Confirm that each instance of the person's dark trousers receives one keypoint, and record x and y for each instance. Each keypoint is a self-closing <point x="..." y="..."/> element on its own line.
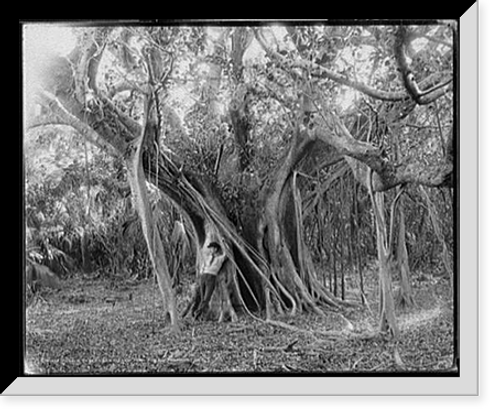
<point x="207" y="287"/>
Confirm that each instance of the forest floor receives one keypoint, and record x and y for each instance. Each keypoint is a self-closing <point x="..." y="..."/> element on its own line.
<point x="94" y="326"/>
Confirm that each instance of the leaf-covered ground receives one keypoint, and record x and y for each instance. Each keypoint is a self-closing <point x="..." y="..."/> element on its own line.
<point x="93" y="327"/>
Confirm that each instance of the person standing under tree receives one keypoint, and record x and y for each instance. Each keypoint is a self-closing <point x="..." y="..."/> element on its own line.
<point x="213" y="259"/>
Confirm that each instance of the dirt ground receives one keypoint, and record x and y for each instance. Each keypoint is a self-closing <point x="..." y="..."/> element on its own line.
<point x="95" y="326"/>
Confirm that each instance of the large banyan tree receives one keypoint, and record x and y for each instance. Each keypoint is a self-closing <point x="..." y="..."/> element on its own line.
<point x="243" y="128"/>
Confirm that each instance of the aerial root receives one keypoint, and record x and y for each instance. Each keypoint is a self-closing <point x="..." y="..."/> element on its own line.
<point x="312" y="333"/>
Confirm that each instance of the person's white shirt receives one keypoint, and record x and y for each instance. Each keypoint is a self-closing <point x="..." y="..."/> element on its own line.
<point x="211" y="261"/>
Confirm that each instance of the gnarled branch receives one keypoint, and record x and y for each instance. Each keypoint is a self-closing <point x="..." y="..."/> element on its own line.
<point x="60" y="116"/>
<point x="386" y="174"/>
<point x="414" y="90"/>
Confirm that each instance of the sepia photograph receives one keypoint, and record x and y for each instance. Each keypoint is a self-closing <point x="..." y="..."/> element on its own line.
<point x="241" y="198"/>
